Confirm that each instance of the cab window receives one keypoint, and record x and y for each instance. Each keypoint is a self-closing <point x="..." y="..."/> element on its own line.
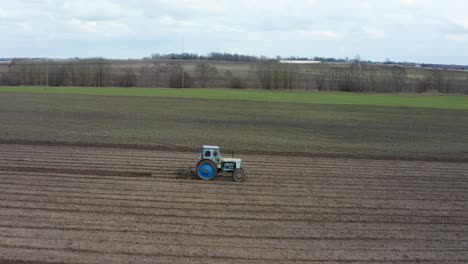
<point x="208" y="154"/>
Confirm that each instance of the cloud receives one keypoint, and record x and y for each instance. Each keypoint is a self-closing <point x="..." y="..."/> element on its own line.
<point x="463" y="38"/>
<point x="136" y="28"/>
<point x="91" y="10"/>
<point x="373" y="32"/>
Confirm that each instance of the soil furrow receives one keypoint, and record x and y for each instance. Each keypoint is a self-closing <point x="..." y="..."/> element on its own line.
<point x="95" y="204"/>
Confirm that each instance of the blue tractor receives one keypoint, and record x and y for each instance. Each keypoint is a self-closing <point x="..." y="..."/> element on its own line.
<point x="211" y="164"/>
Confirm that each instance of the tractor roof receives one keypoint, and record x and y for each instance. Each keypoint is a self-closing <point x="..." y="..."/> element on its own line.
<point x="210" y="147"/>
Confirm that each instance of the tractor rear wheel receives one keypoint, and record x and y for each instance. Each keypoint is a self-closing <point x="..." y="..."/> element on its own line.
<point x="206" y="170"/>
<point x="239" y="175"/>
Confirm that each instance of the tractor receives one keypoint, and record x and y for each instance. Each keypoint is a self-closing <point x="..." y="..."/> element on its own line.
<point x="211" y="164"/>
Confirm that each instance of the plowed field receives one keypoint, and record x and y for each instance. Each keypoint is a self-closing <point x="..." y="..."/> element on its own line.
<point x="109" y="205"/>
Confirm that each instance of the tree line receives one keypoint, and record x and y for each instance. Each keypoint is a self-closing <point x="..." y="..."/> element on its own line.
<point x="103" y="73"/>
<point x="233" y="57"/>
<point x="213" y="56"/>
<point x="267" y="74"/>
<point x="356" y="77"/>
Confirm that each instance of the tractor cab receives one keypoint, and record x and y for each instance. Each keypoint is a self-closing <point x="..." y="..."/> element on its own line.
<point x="212" y="153"/>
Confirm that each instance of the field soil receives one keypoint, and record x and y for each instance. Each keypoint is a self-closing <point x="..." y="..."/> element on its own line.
<point x="72" y="204"/>
<point x="94" y="179"/>
<point x="272" y="128"/>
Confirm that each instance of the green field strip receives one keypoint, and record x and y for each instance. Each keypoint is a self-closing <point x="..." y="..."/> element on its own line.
<point x="365" y="99"/>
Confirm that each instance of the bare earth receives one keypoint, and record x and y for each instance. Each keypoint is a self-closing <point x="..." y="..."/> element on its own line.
<point x="108" y="205"/>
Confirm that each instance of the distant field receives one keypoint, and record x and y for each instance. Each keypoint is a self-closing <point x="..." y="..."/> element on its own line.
<point x="249" y="122"/>
<point x="392" y="100"/>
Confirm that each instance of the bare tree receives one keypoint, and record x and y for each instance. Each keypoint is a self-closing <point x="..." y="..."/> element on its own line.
<point x="28" y="72"/>
<point x="128" y="78"/>
<point x="355" y="80"/>
<point x="265" y="73"/>
<point x="335" y="75"/>
<point x="151" y="74"/>
<point x="347" y="82"/>
<point x="440" y="81"/>
<point x="423" y="84"/>
<point x="178" y="78"/>
<point x="234" y="81"/>
<point x="228" y="74"/>
<point x="57" y="75"/>
<point x="84" y="71"/>
<point x="89" y="73"/>
<point x="290" y="76"/>
<point x="73" y="73"/>
<point x="399" y="77"/>
<point x="320" y="78"/>
<point x="465" y="87"/>
<point x="101" y="70"/>
<point x="205" y="72"/>
<point x="372" y="80"/>
<point x="434" y="80"/>
<point x="273" y="75"/>
<point x="13" y="76"/>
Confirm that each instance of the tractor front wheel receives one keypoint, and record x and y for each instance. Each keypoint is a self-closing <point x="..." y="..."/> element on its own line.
<point x="239" y="175"/>
<point x="206" y="170"/>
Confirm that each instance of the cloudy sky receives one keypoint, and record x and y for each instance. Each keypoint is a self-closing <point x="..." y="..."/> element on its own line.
<point x="411" y="30"/>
